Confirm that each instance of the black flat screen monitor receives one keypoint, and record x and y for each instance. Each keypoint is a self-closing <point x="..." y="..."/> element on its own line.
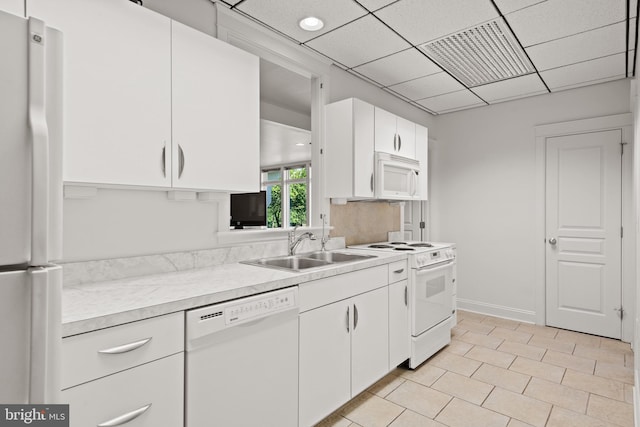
<point x="249" y="209"/>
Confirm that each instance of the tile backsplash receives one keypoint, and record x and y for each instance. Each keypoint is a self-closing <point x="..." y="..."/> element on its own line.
<point x="364" y="222"/>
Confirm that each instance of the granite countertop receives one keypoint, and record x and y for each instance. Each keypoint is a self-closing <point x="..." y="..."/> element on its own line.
<point x="89" y="307"/>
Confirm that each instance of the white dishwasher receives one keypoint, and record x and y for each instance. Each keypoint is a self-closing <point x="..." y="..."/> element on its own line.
<point x="242" y="362"/>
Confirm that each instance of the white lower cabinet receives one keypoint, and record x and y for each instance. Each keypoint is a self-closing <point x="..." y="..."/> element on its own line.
<point x="343" y="344"/>
<point x="148" y="395"/>
<point x="369" y="339"/>
<point x="130" y="374"/>
<point x="325" y="361"/>
<point x="399" y="338"/>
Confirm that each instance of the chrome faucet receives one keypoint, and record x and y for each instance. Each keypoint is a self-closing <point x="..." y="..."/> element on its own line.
<point x="294" y="242"/>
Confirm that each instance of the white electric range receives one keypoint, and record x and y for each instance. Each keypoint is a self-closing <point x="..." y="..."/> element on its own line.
<point x="430" y="293"/>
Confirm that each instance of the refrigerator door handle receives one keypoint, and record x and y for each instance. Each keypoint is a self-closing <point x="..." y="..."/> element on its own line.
<point x="39" y="134"/>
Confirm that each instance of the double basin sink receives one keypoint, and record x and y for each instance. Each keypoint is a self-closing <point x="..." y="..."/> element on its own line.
<point x="309" y="260"/>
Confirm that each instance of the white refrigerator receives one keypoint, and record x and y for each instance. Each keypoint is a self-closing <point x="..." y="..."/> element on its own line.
<point x="30" y="210"/>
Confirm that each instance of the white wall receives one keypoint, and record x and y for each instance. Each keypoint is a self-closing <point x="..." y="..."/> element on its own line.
<point x="482" y="176"/>
<point x="120" y="223"/>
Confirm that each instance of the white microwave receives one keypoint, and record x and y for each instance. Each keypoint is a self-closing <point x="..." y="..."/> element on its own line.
<point x="396" y="177"/>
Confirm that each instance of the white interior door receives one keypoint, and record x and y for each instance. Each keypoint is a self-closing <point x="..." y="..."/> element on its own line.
<point x="583" y="232"/>
<point x="415" y="213"/>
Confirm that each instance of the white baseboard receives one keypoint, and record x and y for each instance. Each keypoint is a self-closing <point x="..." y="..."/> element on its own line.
<point x="497" y="310"/>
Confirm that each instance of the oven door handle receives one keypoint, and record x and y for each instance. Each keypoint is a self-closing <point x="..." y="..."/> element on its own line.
<point x="435" y="267"/>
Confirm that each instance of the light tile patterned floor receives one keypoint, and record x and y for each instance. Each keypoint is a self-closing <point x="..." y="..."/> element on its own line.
<point x="503" y="373"/>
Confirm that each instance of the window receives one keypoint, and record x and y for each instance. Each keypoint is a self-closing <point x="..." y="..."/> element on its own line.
<point x="288" y="191"/>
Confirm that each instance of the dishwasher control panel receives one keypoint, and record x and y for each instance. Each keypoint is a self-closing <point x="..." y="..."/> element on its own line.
<point x="249" y="310"/>
<point x="217" y="317"/>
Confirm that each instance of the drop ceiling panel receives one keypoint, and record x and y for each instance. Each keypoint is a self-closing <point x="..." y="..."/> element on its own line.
<point x="361" y="41"/>
<point x="375" y="4"/>
<point x="554" y="19"/>
<point x="420" y="21"/>
<point x="399" y="67"/>
<point x="592" y="44"/>
<point x="451" y="102"/>
<point x="284" y="15"/>
<point x="508" y="6"/>
<point x="428" y="86"/>
<point x="584" y="73"/>
<point x="505" y="90"/>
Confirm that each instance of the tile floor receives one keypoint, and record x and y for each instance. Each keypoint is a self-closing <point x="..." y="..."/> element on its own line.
<point x="498" y="372"/>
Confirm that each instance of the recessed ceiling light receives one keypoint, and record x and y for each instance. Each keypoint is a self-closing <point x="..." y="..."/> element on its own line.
<point x="300" y="144"/>
<point x="311" y="23"/>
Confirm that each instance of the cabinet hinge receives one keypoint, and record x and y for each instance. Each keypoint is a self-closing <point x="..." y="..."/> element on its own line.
<point x="321" y="85"/>
<point x="622" y="144"/>
<point x="321" y="151"/>
<point x="621" y="232"/>
<point x="422" y="225"/>
<point x="620" y="312"/>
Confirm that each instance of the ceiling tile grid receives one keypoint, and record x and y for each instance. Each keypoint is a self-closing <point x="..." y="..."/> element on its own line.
<point x="570" y="43"/>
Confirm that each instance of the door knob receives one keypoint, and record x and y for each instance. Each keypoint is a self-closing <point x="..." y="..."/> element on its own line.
<point x="553" y="241"/>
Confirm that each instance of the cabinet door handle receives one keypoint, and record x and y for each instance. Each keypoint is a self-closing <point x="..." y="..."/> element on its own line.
<point x="164" y="160"/>
<point x="399" y="143"/>
<point x="406" y="296"/>
<point x="398" y="271"/>
<point x="125" y="348"/>
<point x="395" y="142"/>
<point x="348" y="330"/>
<point x="125" y="418"/>
<point x="180" y="160"/>
<point x="371" y="181"/>
<point x="355" y="316"/>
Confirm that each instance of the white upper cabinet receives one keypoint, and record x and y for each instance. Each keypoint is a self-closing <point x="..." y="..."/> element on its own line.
<point x="117" y="90"/>
<point x="150" y="102"/>
<point x="216" y="113"/>
<point x="349" y="151"/>
<point x="354" y="132"/>
<point x="394" y="134"/>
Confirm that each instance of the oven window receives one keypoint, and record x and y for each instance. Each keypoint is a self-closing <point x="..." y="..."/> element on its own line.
<point x="435" y="286"/>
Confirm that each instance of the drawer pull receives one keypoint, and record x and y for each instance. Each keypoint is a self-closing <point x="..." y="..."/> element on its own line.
<point x="398" y="271"/>
<point x="125" y="347"/>
<point x="125" y="418"/>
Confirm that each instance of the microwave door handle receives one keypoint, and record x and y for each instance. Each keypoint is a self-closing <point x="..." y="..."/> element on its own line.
<point x="414" y="183"/>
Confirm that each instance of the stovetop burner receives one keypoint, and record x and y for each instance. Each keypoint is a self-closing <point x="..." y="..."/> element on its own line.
<point x="380" y="246"/>
<point x="420" y="245"/>
<point x="404" y="249"/>
<point x="397" y="243"/>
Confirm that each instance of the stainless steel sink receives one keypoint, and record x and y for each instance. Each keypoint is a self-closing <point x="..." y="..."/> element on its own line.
<point x="290" y="262"/>
<point x="307" y="261"/>
<point x="334" y="257"/>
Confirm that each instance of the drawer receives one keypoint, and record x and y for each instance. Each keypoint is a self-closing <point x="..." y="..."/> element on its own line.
<point x="398" y="271"/>
<point x="159" y="384"/>
<point x="96" y="354"/>
<point x="342" y="286"/>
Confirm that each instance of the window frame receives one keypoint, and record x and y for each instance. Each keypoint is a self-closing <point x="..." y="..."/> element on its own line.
<point x="285" y="182"/>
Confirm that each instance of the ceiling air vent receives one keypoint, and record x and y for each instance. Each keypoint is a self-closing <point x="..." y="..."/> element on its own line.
<point x="480" y="55"/>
